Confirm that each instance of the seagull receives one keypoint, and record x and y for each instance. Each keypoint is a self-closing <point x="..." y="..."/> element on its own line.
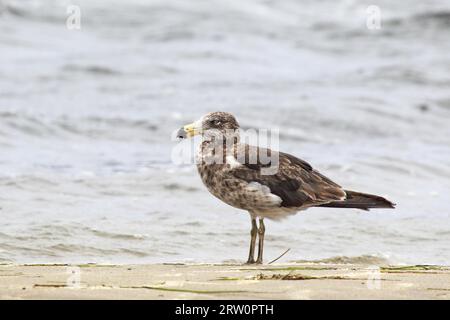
<point x="239" y="175"/>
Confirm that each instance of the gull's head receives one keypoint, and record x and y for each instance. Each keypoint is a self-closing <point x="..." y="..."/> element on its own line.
<point x="220" y="122"/>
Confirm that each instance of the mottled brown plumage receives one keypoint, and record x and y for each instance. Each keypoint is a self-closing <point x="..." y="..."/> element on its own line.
<point x="234" y="173"/>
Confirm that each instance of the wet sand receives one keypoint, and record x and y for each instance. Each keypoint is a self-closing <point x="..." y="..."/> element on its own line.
<point x="176" y="281"/>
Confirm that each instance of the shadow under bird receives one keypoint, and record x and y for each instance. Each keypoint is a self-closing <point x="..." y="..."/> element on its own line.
<point x="235" y="173"/>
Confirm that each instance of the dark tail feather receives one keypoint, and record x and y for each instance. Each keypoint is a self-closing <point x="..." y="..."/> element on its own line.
<point x="361" y="201"/>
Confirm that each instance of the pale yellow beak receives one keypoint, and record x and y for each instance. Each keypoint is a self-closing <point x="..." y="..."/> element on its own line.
<point x="189" y="130"/>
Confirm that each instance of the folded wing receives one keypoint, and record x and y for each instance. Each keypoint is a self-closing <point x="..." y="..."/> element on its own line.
<point x="295" y="182"/>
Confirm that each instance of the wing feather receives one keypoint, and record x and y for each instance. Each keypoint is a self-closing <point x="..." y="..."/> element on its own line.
<point x="296" y="182"/>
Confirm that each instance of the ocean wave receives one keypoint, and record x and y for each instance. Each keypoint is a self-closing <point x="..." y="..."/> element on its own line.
<point x="46" y="11"/>
<point x="363" y="259"/>
<point x="435" y="19"/>
<point x="176" y="186"/>
<point x="35" y="125"/>
<point x="115" y="235"/>
<point x="93" y="69"/>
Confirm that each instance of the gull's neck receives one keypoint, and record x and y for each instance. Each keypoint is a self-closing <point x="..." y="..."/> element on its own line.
<point x="213" y="151"/>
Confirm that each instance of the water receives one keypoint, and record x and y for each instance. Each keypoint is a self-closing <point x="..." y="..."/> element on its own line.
<point x="86" y="118"/>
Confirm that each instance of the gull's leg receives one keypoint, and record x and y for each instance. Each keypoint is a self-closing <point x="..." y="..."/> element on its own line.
<point x="261" y="231"/>
<point x="253" y="232"/>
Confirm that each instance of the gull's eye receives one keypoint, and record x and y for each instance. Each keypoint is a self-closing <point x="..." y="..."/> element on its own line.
<point x="216" y="122"/>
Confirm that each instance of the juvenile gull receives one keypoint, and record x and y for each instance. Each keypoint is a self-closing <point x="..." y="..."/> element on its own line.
<point x="234" y="172"/>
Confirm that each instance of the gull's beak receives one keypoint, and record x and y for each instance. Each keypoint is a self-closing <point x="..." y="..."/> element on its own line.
<point x="189" y="131"/>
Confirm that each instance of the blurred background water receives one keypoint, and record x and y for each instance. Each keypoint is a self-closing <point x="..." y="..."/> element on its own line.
<point x="86" y="118"/>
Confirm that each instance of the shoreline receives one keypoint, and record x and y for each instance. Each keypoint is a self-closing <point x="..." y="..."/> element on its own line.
<point x="223" y="281"/>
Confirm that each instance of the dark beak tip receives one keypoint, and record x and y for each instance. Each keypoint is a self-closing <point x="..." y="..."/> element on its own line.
<point x="181" y="134"/>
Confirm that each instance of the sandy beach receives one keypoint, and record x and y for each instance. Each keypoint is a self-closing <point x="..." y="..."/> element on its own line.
<point x="206" y="281"/>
